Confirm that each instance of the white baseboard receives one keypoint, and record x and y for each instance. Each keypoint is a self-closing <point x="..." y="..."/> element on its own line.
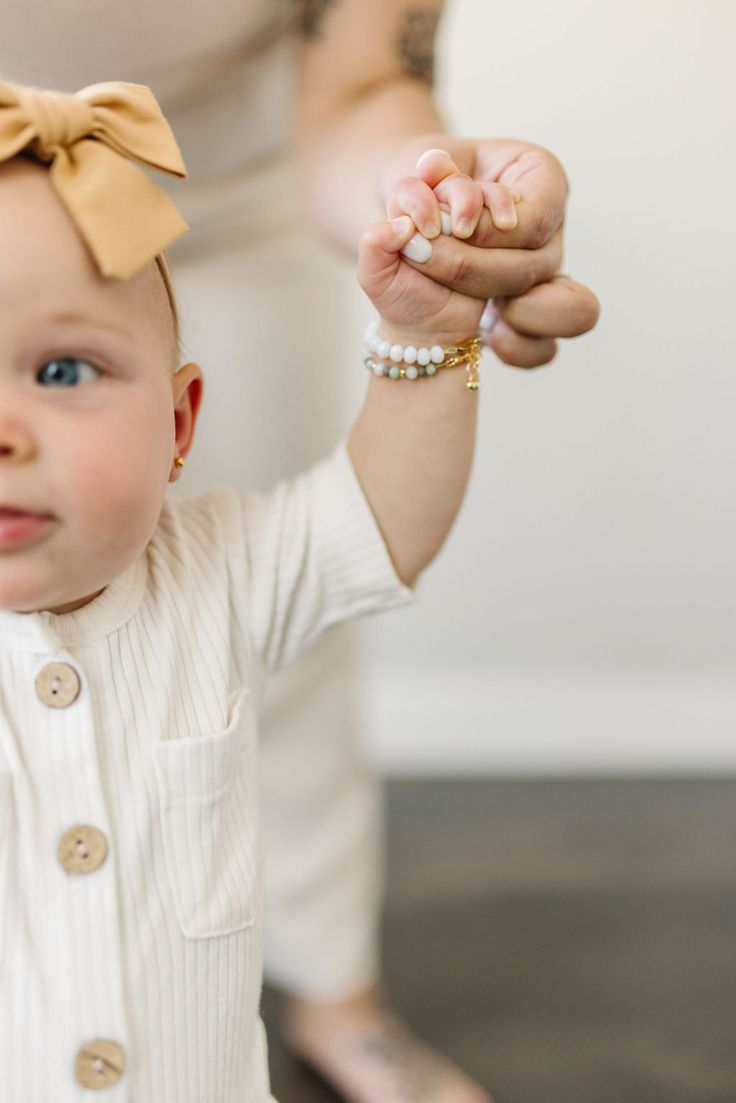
<point x="423" y="722"/>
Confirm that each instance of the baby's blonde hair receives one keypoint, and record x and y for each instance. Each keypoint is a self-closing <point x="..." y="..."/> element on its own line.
<point x="163" y="266"/>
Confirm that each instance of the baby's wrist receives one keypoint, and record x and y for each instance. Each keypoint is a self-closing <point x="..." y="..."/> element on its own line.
<point x="387" y="355"/>
<point x="419" y="335"/>
<point x="412" y="337"/>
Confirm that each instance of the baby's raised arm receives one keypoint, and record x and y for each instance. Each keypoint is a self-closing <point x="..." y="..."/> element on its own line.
<point x="412" y="445"/>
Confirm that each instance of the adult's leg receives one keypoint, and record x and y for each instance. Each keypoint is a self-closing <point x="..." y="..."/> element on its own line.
<point x="262" y="309"/>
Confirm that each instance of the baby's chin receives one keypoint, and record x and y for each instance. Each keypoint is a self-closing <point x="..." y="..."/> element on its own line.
<point x="22" y="591"/>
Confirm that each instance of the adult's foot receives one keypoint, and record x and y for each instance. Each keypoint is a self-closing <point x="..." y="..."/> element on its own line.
<point x="369" y="1056"/>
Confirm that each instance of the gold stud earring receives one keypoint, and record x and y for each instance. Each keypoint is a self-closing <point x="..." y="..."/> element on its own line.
<point x="179" y="461"/>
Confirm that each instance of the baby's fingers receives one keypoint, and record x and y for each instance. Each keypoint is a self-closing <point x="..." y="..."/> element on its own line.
<point x="501" y="202"/>
<point x="379" y="255"/>
<point x="415" y="198"/>
<point x="464" y="199"/>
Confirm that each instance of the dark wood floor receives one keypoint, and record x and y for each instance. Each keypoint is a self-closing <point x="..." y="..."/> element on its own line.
<point x="566" y="941"/>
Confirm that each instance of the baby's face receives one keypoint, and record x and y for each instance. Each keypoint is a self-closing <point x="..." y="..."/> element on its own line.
<point x="91" y="414"/>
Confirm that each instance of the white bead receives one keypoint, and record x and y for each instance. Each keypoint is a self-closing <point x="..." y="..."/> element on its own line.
<point x="384" y="349"/>
<point x="374" y="342"/>
<point x="423" y="357"/>
<point x="367" y="336"/>
<point x="410" y="355"/>
<point x="378" y="369"/>
<point x="436" y="354"/>
<point x="396" y="354"/>
<point x="412" y="373"/>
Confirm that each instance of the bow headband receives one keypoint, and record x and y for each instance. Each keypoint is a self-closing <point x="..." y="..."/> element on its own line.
<point x="91" y="139"/>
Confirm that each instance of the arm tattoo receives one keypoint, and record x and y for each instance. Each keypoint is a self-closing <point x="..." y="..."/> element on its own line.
<point x="416" y="43"/>
<point x="312" y="15"/>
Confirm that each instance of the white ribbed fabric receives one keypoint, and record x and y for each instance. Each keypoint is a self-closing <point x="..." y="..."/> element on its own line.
<point x="159" y="949"/>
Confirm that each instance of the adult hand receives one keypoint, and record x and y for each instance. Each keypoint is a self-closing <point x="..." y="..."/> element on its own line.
<point x="505" y="247"/>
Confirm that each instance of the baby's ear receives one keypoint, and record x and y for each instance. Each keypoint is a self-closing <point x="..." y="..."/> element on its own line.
<point x="187" y="386"/>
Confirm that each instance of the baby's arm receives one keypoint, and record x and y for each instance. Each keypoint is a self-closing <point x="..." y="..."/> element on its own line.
<point x="412" y="445"/>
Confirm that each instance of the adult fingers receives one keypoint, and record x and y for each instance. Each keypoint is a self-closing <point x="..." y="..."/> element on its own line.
<point x="490" y="273"/>
<point x="533" y="173"/>
<point x="561" y="307"/>
<point x="516" y="349"/>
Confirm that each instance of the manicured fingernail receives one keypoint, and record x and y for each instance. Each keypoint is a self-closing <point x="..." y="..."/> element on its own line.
<point x="445" y="220"/>
<point x="463" y="227"/>
<point x="488" y="318"/>
<point x="430" y="229"/>
<point x="418" y="249"/>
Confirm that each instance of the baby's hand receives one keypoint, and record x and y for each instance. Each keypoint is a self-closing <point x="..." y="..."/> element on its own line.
<point x="411" y="304"/>
<point x="413" y="309"/>
<point x="440" y="198"/>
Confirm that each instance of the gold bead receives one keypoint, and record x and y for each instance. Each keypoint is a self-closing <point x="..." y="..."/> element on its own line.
<point x="179" y="461"/>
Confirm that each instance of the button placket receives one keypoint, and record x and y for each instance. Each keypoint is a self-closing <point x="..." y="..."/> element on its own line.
<point x="82" y="849"/>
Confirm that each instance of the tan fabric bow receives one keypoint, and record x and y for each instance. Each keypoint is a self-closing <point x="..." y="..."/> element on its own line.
<point x="91" y="139"/>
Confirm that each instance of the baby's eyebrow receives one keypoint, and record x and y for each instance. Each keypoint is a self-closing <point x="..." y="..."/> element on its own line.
<point x="75" y="317"/>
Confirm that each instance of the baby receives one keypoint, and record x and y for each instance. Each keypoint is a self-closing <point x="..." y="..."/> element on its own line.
<point x="135" y="632"/>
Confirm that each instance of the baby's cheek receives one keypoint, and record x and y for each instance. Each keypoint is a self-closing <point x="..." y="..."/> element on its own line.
<point x="123" y="490"/>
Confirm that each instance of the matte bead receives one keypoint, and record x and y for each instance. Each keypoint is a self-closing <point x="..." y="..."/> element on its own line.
<point x="423" y="356"/>
<point x="410" y="355"/>
<point x="394" y="372"/>
<point x="396" y="354"/>
<point x="431" y="369"/>
<point x="378" y="369"/>
<point x="384" y="349"/>
<point x="412" y="373"/>
<point x="436" y="354"/>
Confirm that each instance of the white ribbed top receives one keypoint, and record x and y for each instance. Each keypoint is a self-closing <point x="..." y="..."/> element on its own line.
<point x="159" y="949"/>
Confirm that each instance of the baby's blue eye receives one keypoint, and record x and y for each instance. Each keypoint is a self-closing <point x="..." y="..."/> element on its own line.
<point x="67" y="371"/>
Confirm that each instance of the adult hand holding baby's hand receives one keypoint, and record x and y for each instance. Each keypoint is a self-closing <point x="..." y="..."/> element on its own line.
<point x="414" y="309"/>
<point x="505" y="214"/>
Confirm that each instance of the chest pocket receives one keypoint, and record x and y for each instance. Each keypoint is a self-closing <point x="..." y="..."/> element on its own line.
<point x="207" y="795"/>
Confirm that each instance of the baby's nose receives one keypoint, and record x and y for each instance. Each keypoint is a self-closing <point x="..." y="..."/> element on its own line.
<point x="17" y="444"/>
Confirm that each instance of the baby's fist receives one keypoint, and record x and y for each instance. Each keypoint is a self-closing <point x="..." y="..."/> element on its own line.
<point x="413" y="308"/>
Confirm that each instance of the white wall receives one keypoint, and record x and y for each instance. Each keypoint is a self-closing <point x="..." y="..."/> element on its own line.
<point x="583" y="615"/>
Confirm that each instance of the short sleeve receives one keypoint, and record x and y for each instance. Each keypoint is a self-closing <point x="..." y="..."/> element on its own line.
<point x="314" y="558"/>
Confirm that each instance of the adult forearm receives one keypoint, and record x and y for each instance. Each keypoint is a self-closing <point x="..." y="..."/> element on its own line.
<point x="346" y="155"/>
<point x="365" y="108"/>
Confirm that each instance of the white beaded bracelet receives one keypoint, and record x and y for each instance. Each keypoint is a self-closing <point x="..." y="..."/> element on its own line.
<point x="398" y="353"/>
<point x="409" y="362"/>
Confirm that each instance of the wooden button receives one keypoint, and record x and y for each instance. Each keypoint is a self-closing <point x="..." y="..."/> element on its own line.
<point x="99" y="1064"/>
<point x="57" y="685"/>
<point x="82" y="849"/>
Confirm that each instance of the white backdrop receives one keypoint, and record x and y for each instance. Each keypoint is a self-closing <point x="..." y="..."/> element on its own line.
<point x="583" y="615"/>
